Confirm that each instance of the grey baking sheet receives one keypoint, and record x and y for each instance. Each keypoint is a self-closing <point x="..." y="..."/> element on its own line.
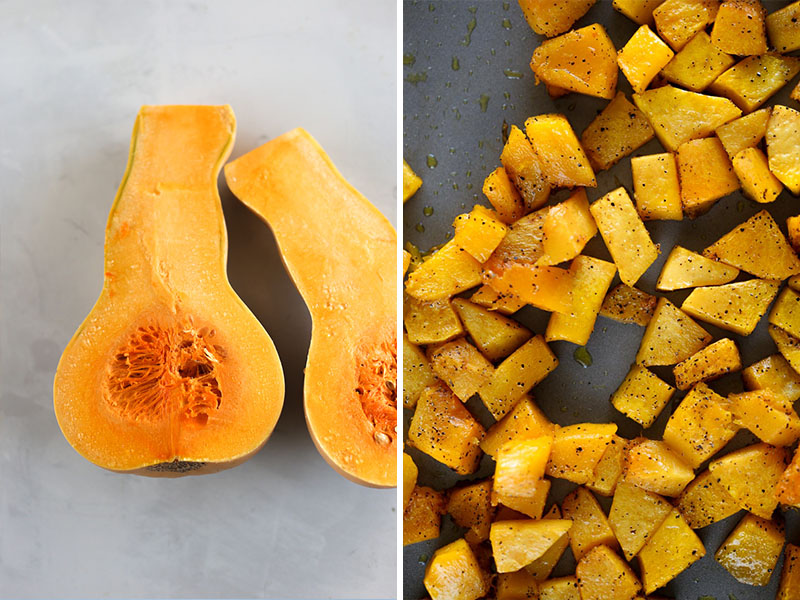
<point x="453" y="117"/>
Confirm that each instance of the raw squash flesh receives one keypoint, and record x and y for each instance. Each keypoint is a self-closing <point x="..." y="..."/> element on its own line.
<point x="341" y="253"/>
<point x="170" y="374"/>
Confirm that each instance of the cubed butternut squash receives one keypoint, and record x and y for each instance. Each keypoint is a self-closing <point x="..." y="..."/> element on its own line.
<point x="503" y="196"/>
<point x="750" y="82"/>
<point x="788" y="489"/>
<point x="520" y="466"/>
<point x="751" y="551"/>
<point x="422" y="516"/>
<point x="577" y="449"/>
<point x="490" y="299"/>
<point x="495" y="336"/>
<point x="454" y="573"/>
<point x="410" y="473"/>
<point x="590" y="527"/>
<point x="547" y="288"/>
<point x="567" y="228"/>
<point x="461" y="367"/>
<point x="788" y="345"/>
<point x="671" y="336"/>
<point x="766" y="416"/>
<point x="431" y="322"/>
<point x="449" y="271"/>
<point x="524" y="169"/>
<point x="516" y="544"/>
<point x="417" y="373"/>
<point x="758" y="182"/>
<point x="470" y="506"/>
<point x="698" y="64"/>
<point x="479" y="232"/>
<point x="740" y="28"/>
<point x="638" y="11"/>
<point x="672" y="549"/>
<point x="519" y="585"/>
<point x="642" y="395"/>
<point x="642" y="57"/>
<point x="686" y="269"/>
<point x="523" y="244"/>
<point x="793" y="228"/>
<point x="523" y="422"/>
<point x="541" y="568"/>
<point x="789" y="586"/>
<point x="785" y="312"/>
<point x="628" y="304"/>
<point x="563" y="161"/>
<point x="744" y="132"/>
<point x="531" y="506"/>
<point x="710" y="363"/>
<point x="603" y="575"/>
<point x="678" y="21"/>
<point x="705" y="501"/>
<point x="706" y="174"/>
<point x="783" y="146"/>
<point x="560" y="588"/>
<point x="775" y="374"/>
<point x="782" y="28"/>
<point x="411" y="181"/>
<point x="656" y="187"/>
<point x="653" y="466"/>
<point x="635" y="515"/>
<point x="737" y="307"/>
<point x="609" y="470"/>
<point x="553" y="18"/>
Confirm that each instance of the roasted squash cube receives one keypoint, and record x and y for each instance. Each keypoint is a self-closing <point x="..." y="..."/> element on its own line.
<point x="430" y="322"/>
<point x="566" y="230"/>
<point x="445" y="430"/>
<point x="583" y="60"/>
<point x="417" y="373"/>
<point x="737" y="307"/>
<point x="758" y="182"/>
<point x="789" y="587"/>
<point x="642" y="395"/>
<point x="603" y="575"/>
<point x="461" y="367"/>
<point x="671" y="336"/>
<point x="541" y="568"/>
<point x="495" y="336"/>
<point x="700" y="426"/>
<point x="503" y="196"/>
<point x="766" y="415"/>
<point x="519" y="585"/>
<point x="678" y="21"/>
<point x="788" y="489"/>
<point x="524" y="169"/>
<point x="708" y="364"/>
<point x="744" y="132"/>
<point x="788" y="345"/>
<point x="785" y="312"/>
<point x="783" y="146"/>
<point x="740" y="27"/>
<point x="638" y="11"/>
<point x="547" y="288"/>
<point x="706" y="174"/>
<point x="628" y="304"/>
<point x="489" y="298"/>
<point x="530" y="506"/>
<point x="635" y="515"/>
<point x="782" y="28"/>
<point x="775" y="374"/>
<point x="577" y="449"/>
<point x="564" y="163"/>
<point x="752" y="81"/>
<point x="411" y="181"/>
<point x="751" y="551"/>
<point x="656" y="187"/>
<point x="406" y="261"/>
<point x="669" y="552"/>
<point x="449" y="271"/>
<point x="523" y="422"/>
<point x="615" y="133"/>
<point x="654" y="467"/>
<point x="750" y="475"/>
<point x="706" y="501"/>
<point x="686" y="269"/>
<point x="561" y="588"/>
<point x="454" y="574"/>
<point x="520" y="466"/>
<point x="590" y="527"/>
<point x="625" y="235"/>
<point x="678" y="116"/>
<point x="793" y="227"/>
<point x="470" y="506"/>
<point x="479" y="232"/>
<point x="698" y="64"/>
<point x="422" y="516"/>
<point x="609" y="470"/>
<point x="553" y="18"/>
<point x="643" y="57"/>
<point x="518" y="543"/>
<point x="410" y="472"/>
<point x="523" y="243"/>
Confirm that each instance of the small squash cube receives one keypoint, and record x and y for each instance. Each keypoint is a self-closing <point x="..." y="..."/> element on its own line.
<point x="519" y="585"/>
<point x="635" y="515"/>
<point x="698" y="64"/>
<point x="737" y="307"/>
<point x="678" y="116"/>
<point x="706" y="501"/>
<point x="615" y="133"/>
<point x="518" y="543"/>
<point x="638" y="11"/>
<point x="422" y="516"/>
<point x="410" y="472"/>
<point x="788" y="489"/>
<point x="628" y="304"/>
<point x="782" y="28"/>
<point x="490" y="299"/>
<point x="789" y="587"/>
<point x="758" y="182"/>
<point x="669" y="551"/>
<point x="740" y="27"/>
<point x="411" y="181"/>
<point x="643" y="57"/>
<point x="609" y="470"/>
<point x="417" y="373"/>
<point x="590" y="527"/>
<point x="454" y="574"/>
<point x="520" y="466"/>
<point x="495" y="336"/>
<point x="470" y="506"/>
<point x="517" y="374"/>
<point x="752" y="81"/>
<point x="530" y="506"/>
<point x="766" y="416"/>
<point x="788" y="345"/>
<point x="524" y="169"/>
<point x="523" y="422"/>
<point x="461" y="367"/>
<point x="591" y="279"/>
<point x="503" y="196"/>
<point x="783" y="146"/>
<point x="449" y="271"/>
<point x="785" y="312"/>
<point x="583" y="60"/>
<point x="744" y="132"/>
<point x="553" y="18"/>
<point x="678" y="21"/>
<point x="775" y="374"/>
<point x="751" y="551"/>
<point x="561" y="588"/>
<point x="793" y="227"/>
<point x="700" y="426"/>
<point x="686" y="269"/>
<point x="406" y="261"/>
<point x="656" y="187"/>
<point x="603" y="575"/>
<point x="445" y="430"/>
<point x="564" y="163"/>
<point x="706" y="174"/>
<point x="479" y="232"/>
<point x="671" y="336"/>
<point x="625" y="235"/>
<point x="758" y="247"/>
<point x="710" y="363"/>
<point x="750" y="475"/>
<point x="577" y="449"/>
<point x="541" y="568"/>
<point x="566" y="230"/>
<point x="431" y="322"/>
<point x="642" y="395"/>
<point x="547" y="288"/>
<point x="653" y="466"/>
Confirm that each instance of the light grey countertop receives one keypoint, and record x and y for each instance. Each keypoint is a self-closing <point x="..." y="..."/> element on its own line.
<point x="74" y="75"/>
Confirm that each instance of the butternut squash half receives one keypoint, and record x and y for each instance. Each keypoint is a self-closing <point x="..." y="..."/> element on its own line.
<point x="170" y="374"/>
<point x="341" y="253"/>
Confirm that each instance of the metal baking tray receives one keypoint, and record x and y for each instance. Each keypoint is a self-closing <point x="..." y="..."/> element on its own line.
<point x="465" y="74"/>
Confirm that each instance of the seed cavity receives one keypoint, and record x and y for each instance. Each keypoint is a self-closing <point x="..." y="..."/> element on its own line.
<point x="377" y="386"/>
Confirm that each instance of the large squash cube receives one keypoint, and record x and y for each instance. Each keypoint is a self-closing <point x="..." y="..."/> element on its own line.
<point x="567" y="228"/>
<point x="751" y="551"/>
<point x="503" y="196"/>
<point x="445" y="430"/>
<point x="788" y="345"/>
<point x="700" y="426"/>
<point x="775" y="374"/>
<point x="642" y="395"/>
<point x="564" y="163"/>
<point x="706" y="501"/>
<point x="656" y="187"/>
<point x="782" y="28"/>
<point x="516" y="544"/>
<point x="752" y="81"/>
<point x="410" y="472"/>
<point x="686" y="269"/>
<point x="541" y="568"/>
<point x="461" y="367"/>
<point x="706" y="174"/>
<point x="454" y="574"/>
<point x="519" y="585"/>
<point x="737" y="307"/>
<point x="758" y="182"/>
<point x="577" y="449"/>
<point x="758" y="247"/>
<point x="523" y="422"/>
<point x="609" y="470"/>
<point x="520" y="466"/>
<point x="479" y="232"/>
<point x="547" y="288"/>
<point x="603" y="575"/>
<point x="625" y="235"/>
<point x="517" y="374"/>
<point x="789" y="587"/>
<point x="417" y="373"/>
<point x="788" y="489"/>
<point x="422" y="516"/>
<point x="766" y="416"/>
<point x="671" y="336"/>
<point x="638" y="11"/>
<point x="783" y="146"/>
<point x="449" y="271"/>
<point x="583" y="60"/>
<point x="710" y="363"/>
<point x="615" y="133"/>
<point x="643" y="57"/>
<point x="678" y="116"/>
<point x="590" y="527"/>
<point x="750" y="476"/>
<point x="411" y="181"/>
<point x="530" y="506"/>
<point x="549" y="18"/>
<point x="431" y="322"/>
<point x="698" y="64"/>
<point x="654" y="467"/>
<point x="495" y="336"/>
<point x="670" y="551"/>
<point x="785" y="312"/>
<point x="744" y="132"/>
<point x="635" y="515"/>
<point x="561" y="588"/>
<point x="678" y="21"/>
<point x="628" y="304"/>
<point x="740" y="28"/>
<point x="524" y="169"/>
<point x="470" y="506"/>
